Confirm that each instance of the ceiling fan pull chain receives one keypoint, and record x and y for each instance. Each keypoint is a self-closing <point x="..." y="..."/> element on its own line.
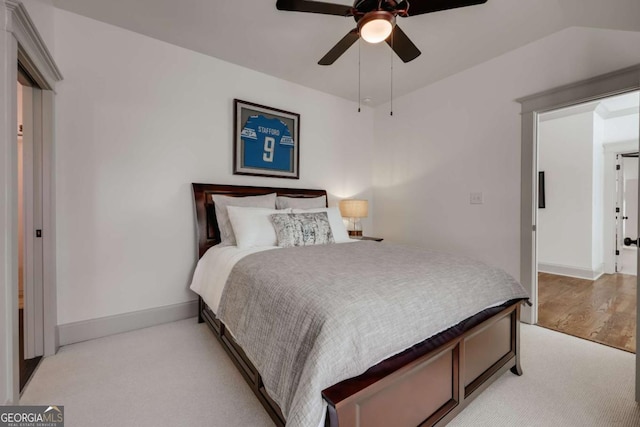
<point x="359" y="75"/>
<point x="391" y="112"/>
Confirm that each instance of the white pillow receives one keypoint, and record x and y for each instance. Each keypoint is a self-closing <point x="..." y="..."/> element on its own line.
<point x="227" y="236"/>
<point x="253" y="227"/>
<point x="283" y="202"/>
<point x="340" y="234"/>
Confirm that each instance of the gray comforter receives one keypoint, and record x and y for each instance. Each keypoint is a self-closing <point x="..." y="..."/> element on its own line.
<point x="313" y="316"/>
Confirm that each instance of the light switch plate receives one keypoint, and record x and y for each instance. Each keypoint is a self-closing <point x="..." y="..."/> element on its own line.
<point x="476" y="198"/>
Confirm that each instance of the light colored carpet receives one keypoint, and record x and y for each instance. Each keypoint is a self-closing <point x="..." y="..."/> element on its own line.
<point x="567" y="382"/>
<point x="177" y="374"/>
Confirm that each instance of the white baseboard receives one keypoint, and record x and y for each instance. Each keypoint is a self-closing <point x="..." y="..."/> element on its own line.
<point x="74" y="332"/>
<point x="565" y="270"/>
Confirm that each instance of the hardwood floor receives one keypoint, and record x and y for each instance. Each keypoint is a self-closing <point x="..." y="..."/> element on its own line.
<point x="603" y="310"/>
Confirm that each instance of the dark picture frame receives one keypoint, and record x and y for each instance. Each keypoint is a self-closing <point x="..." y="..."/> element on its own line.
<point x="266" y="141"/>
<point x="541" y="198"/>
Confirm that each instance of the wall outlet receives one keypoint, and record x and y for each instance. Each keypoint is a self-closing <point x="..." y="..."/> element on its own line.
<point x="476" y="198"/>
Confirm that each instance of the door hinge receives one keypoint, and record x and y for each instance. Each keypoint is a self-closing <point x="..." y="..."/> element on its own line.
<point x="617" y="210"/>
<point x="617" y="252"/>
<point x="38" y="233"/>
<point x="617" y="167"/>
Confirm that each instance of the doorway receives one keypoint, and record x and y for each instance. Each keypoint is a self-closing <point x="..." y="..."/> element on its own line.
<point x="30" y="249"/>
<point x="584" y="152"/>
<point x="24" y="47"/>
<point x="614" y="83"/>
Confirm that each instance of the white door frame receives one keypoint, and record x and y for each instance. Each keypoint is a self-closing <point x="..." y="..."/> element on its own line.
<point x="21" y="43"/>
<point x="610" y="84"/>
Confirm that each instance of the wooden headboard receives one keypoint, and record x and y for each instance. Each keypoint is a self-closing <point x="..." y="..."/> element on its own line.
<point x="207" y="225"/>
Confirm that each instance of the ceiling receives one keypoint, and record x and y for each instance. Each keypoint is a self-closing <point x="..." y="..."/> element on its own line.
<point x="288" y="45"/>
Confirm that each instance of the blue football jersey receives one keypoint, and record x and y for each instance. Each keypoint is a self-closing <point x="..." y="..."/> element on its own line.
<point x="267" y="144"/>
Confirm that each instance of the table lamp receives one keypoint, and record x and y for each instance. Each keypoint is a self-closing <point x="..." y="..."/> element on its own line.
<point x="354" y="210"/>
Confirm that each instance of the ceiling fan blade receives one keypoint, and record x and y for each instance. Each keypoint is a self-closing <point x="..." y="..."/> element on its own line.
<point x="340" y="48"/>
<point x="314" y="7"/>
<point x="418" y="7"/>
<point x="403" y="46"/>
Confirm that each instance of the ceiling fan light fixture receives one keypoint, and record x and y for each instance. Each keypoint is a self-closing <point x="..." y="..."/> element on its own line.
<point x="376" y="26"/>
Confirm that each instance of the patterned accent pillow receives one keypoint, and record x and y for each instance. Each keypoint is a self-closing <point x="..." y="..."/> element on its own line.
<point x="303" y="229"/>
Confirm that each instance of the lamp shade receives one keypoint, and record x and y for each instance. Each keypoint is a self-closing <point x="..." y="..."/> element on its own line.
<point x="353" y="208"/>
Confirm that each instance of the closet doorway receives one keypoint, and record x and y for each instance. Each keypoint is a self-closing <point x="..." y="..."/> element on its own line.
<point x="30" y="216"/>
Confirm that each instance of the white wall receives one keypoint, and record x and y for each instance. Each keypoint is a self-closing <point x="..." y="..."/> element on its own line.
<point x="462" y="134"/>
<point x="139" y="120"/>
<point x="566" y="224"/>
<point x="597" y="205"/>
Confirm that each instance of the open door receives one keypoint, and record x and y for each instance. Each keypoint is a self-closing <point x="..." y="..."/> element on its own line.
<point x="619" y="213"/>
<point x="30" y="305"/>
<point x="630" y="214"/>
<point x="626" y="212"/>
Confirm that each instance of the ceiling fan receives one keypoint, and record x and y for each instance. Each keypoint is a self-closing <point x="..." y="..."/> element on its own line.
<point x="376" y="21"/>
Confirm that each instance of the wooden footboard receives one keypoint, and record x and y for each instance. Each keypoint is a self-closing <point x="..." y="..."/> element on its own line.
<point x="434" y="388"/>
<point x="407" y="390"/>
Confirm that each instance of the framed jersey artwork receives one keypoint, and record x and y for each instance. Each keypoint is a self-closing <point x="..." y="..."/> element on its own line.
<point x="266" y="141"/>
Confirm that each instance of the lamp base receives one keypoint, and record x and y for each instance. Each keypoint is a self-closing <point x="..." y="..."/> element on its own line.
<point x="355" y="233"/>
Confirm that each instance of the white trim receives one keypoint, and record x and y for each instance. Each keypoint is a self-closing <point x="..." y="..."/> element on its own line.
<point x="33" y="51"/>
<point x="588" y="107"/>
<point x="570" y="271"/>
<point x="606" y="85"/>
<point x="594" y="106"/>
<point x="9" y="364"/>
<point x="70" y="333"/>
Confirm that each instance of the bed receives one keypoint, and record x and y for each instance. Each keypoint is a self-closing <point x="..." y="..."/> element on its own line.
<point x="428" y="383"/>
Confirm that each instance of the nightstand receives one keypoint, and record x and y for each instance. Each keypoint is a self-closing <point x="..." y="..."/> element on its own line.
<point x="375" y="239"/>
